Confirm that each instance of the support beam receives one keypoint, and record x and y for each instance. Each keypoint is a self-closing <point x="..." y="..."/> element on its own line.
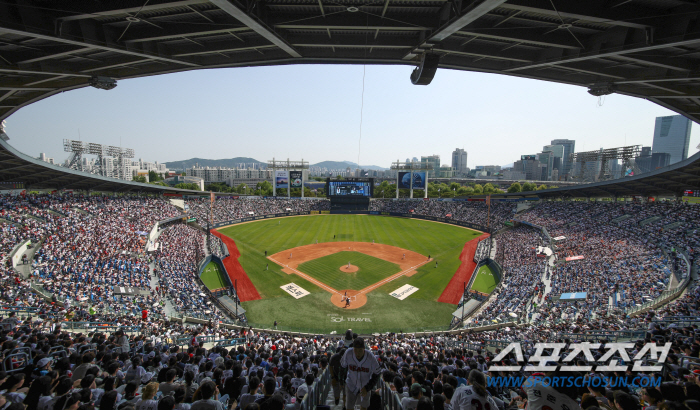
<point x="57" y="55"/>
<point x="471" y="15"/>
<point x="669" y="63"/>
<point x="259" y="28"/>
<point x="584" y="11"/>
<point x="95" y="46"/>
<point x="615" y="52"/>
<point x="136" y="9"/>
<point x="179" y="32"/>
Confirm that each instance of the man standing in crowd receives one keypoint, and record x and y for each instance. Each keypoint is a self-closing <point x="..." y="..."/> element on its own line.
<point x="362" y="374"/>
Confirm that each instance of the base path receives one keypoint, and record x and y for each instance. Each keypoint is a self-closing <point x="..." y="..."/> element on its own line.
<point x="245" y="288"/>
<point x="407" y="260"/>
<point x="454" y="290"/>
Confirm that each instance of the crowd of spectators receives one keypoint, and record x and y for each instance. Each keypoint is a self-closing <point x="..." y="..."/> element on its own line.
<point x="90" y="244"/>
<point x="522" y="270"/>
<point x="176" y="269"/>
<point x="622" y="265"/>
<point x="475" y="212"/>
<point x="229" y="208"/>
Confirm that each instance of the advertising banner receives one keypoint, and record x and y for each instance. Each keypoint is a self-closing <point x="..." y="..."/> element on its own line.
<point x="419" y="180"/>
<point x="574" y="258"/>
<point x="559" y="238"/>
<point x="403" y="292"/>
<point x="295" y="178"/>
<point x="295" y="290"/>
<point x="404" y="180"/>
<point x="282" y="179"/>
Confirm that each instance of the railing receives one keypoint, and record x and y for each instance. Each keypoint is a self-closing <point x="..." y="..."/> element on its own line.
<point x="318" y="392"/>
<point x="665" y="296"/>
<point x="390" y="400"/>
<point x="611" y="336"/>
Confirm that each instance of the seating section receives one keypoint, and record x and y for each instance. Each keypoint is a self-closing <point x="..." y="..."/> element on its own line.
<point x="475" y="212"/>
<point x="229" y="208"/>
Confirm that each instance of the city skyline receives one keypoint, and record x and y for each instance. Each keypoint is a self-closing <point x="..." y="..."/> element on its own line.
<point x="305" y="112"/>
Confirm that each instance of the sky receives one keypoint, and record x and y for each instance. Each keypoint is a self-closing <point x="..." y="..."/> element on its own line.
<point x="313" y="112"/>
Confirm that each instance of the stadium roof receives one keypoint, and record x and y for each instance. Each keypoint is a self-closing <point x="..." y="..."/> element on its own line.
<point x="644" y="48"/>
<point x="667" y="181"/>
<point x="37" y="174"/>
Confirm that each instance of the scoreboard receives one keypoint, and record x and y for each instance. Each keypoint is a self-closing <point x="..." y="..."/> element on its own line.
<point x="693" y="193"/>
<point x="351" y="187"/>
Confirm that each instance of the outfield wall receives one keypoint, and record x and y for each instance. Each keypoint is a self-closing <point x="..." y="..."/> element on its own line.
<point x="469" y="225"/>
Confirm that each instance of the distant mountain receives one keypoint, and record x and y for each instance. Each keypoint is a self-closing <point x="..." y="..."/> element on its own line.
<point x="226" y="163"/>
<point x="345" y="164"/>
<point x="507" y="166"/>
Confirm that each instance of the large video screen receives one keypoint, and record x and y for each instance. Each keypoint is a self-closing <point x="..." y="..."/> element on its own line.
<point x="345" y="188"/>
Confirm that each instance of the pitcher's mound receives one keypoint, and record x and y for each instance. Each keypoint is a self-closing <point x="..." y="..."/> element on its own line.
<point x="349" y="269"/>
<point x="357" y="299"/>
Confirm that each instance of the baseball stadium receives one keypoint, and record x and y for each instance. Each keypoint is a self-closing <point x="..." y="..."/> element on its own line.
<point x="124" y="295"/>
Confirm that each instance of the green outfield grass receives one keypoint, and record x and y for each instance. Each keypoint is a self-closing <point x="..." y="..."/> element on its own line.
<point x="213" y="277"/>
<point x="371" y="270"/>
<point x="485" y="281"/>
<point x="382" y="313"/>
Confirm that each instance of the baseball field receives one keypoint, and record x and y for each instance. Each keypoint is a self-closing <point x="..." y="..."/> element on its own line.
<point x="360" y="258"/>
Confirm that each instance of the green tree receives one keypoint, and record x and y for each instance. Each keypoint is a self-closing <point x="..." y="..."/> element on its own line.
<point x="515" y="187"/>
<point x="553" y="186"/>
<point x="529" y="186"/>
<point x="139" y="178"/>
<point x="478" y="189"/>
<point x="185" y="185"/>
<point x="541" y="187"/>
<point x="184" y="174"/>
<point x="340" y="178"/>
<point x="241" y="188"/>
<point x="153" y="176"/>
<point x="464" y="191"/>
<point x="455" y="186"/>
<point x="489" y="188"/>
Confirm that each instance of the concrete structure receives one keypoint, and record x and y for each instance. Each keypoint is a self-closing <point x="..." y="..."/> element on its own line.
<point x="672" y="136"/>
<point x="179" y="179"/>
<point x="459" y="161"/>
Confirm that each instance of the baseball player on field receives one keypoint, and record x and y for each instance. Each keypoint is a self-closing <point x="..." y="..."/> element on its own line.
<point x="362" y="374"/>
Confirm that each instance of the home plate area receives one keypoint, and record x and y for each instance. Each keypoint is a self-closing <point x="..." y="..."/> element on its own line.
<point x="403" y="261"/>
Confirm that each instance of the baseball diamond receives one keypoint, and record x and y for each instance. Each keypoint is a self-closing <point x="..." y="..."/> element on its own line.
<point x="375" y="245"/>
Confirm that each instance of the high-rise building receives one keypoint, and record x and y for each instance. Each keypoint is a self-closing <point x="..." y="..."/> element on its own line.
<point x="459" y="161"/>
<point x="569" y="148"/>
<point x="672" y="136"/>
<point x="431" y="159"/>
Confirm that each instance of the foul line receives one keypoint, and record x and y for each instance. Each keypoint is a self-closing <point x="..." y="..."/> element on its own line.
<point x="392" y="277"/>
<point x="363" y="291"/>
<point x="307" y="277"/>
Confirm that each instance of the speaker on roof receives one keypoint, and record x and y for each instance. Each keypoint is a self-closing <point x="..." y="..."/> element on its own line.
<point x="423" y="74"/>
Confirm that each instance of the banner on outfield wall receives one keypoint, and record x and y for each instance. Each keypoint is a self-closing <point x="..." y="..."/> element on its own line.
<point x="295" y="290"/>
<point x="395" y="214"/>
<point x="282" y="179"/>
<point x="431" y="218"/>
<point x="574" y="258"/>
<point x="295" y="179"/>
<point x="403" y="292"/>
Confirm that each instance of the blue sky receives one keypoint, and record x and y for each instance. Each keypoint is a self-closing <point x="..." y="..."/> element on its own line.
<point x="313" y="112"/>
